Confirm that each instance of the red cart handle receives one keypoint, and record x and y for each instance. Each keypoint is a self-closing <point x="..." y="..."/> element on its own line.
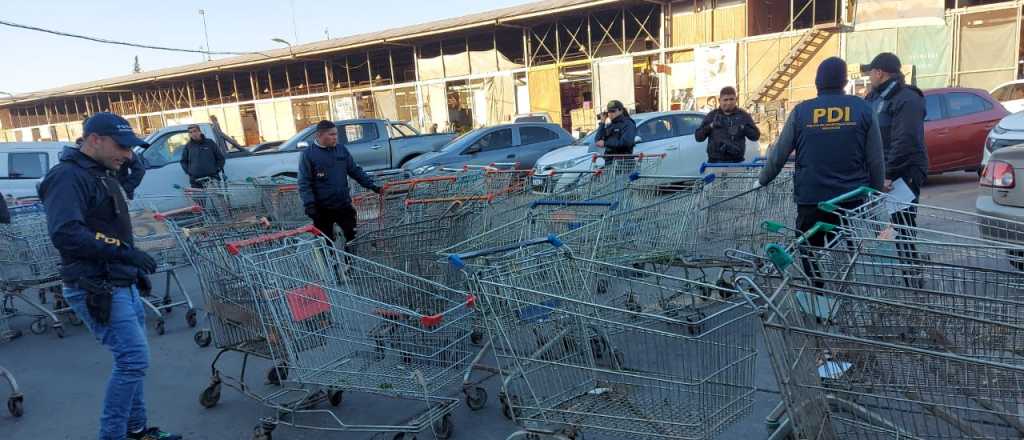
<point x="235" y="247"/>
<point x="162" y="216"/>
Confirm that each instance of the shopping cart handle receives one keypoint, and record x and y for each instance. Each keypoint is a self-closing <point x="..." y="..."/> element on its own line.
<point x="832" y="205"/>
<point x="773" y="227"/>
<point x="778" y="256"/>
<point x="819" y="227"/>
<point x="458" y="261"/>
<point x="550" y="202"/>
<point x="236" y="246"/>
<point x="752" y="164"/>
<point x="162" y="216"/>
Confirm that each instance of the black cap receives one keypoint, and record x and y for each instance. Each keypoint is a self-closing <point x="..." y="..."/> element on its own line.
<point x="615" y="105"/>
<point x="885" y="61"/>
<point x="325" y="125"/>
<point x="109" y="124"/>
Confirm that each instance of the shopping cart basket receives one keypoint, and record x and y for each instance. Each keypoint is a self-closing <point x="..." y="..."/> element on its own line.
<point x="589" y="346"/>
<point x="341" y="323"/>
<point x="28" y="261"/>
<point x="16" y="401"/>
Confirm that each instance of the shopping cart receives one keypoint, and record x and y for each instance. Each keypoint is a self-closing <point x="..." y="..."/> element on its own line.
<point x="29" y="262"/>
<point x="344" y="323"/>
<point x="586" y="346"/>
<point x="226" y="201"/>
<point x="16" y="401"/>
<point x="855" y="359"/>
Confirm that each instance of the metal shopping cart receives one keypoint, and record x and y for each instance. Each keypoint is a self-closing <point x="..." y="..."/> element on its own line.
<point x="344" y="323"/>
<point x="227" y="201"/>
<point x="586" y="346"/>
<point x="859" y="359"/>
<point x="29" y="262"/>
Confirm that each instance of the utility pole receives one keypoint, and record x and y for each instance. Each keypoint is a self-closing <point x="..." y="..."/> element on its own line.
<point x="206" y="33"/>
<point x="295" y="28"/>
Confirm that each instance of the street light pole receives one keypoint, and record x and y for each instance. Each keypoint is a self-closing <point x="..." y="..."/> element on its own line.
<point x="285" y="42"/>
<point x="206" y="33"/>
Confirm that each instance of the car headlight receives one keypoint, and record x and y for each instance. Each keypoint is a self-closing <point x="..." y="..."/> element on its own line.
<point x="999" y="130"/>
<point x="423" y="169"/>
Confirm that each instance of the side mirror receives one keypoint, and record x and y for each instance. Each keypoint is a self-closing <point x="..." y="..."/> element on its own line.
<point x="638" y="139"/>
<point x="302" y="144"/>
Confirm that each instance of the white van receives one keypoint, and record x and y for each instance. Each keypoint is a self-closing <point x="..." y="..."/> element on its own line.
<point x="24" y="164"/>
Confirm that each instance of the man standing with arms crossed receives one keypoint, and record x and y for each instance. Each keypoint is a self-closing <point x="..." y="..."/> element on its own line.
<point x="324" y="169"/>
<point x="102" y="271"/>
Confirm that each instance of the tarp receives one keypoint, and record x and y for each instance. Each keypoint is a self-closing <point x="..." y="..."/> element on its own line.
<point x="267" y="120"/>
<point x="988" y="56"/>
<point x="716" y="68"/>
<point x="927" y="48"/>
<point x="875" y="14"/>
<point x="285" y="119"/>
<point x="384" y="103"/>
<point x="456" y="64"/>
<point x="430" y="68"/>
<point x="545" y="94"/>
<point x="435" y="106"/>
<point x="613" y="79"/>
<point x="501" y="99"/>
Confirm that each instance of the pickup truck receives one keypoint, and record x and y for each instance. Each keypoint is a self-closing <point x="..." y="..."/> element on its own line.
<point x="376" y="145"/>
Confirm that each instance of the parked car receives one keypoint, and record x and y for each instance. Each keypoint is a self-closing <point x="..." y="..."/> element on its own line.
<point x="1000" y="197"/>
<point x="507" y="143"/>
<point x="24" y="164"/>
<point x="670" y="133"/>
<point x="957" y="121"/>
<point x="1011" y="95"/>
<point x="1008" y="132"/>
<point x="531" y="117"/>
<point x="375" y="144"/>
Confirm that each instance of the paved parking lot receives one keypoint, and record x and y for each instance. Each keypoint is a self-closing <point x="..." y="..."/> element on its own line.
<point x="63" y="380"/>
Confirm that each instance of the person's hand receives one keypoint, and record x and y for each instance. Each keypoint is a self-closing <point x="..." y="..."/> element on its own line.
<point x="757" y="184"/>
<point x="599" y="144"/>
<point x="311" y="211"/>
<point x="139" y="259"/>
<point x="887" y="186"/>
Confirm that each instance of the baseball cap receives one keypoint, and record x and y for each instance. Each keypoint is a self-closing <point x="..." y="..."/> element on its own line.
<point x="118" y="128"/>
<point x="614" y="105"/>
<point x="885" y="61"/>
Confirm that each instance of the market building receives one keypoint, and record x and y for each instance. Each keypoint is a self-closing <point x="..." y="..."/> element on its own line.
<point x="560" y="57"/>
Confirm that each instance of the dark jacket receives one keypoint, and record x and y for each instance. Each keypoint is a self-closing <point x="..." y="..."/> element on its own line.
<point x="130" y="175"/>
<point x="88" y="221"/>
<point x="619" y="137"/>
<point x="202" y="158"/>
<point x="725" y="134"/>
<point x="838" y="148"/>
<point x="900" y="111"/>
<point x="5" y="214"/>
<point x="323" y="177"/>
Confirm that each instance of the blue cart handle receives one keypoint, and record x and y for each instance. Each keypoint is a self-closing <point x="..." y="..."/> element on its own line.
<point x="458" y="261"/>
<point x="756" y="163"/>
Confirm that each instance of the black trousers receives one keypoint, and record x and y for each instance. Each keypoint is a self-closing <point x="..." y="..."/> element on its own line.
<point x="344" y="217"/>
<point x="806" y="217"/>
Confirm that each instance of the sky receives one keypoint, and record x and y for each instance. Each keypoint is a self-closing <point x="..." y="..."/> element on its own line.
<point x="35" y="61"/>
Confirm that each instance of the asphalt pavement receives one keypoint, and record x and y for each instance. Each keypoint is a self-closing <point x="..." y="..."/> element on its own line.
<point x="63" y="380"/>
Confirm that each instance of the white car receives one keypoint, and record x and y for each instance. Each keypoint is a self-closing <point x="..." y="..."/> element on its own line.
<point x="24" y="164"/>
<point x="669" y="133"/>
<point x="1011" y="95"/>
<point x="1008" y="132"/>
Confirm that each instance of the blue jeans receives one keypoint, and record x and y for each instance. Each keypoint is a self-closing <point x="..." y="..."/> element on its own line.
<point x="124" y="409"/>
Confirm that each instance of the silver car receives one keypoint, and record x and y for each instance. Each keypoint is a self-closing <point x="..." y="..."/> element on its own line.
<point x="1002" y="197"/>
<point x="520" y="144"/>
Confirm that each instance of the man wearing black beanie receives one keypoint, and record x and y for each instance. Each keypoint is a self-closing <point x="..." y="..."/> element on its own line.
<point x="838" y="148"/>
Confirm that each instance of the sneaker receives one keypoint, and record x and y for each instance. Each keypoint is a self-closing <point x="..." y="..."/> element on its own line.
<point x="154" y="433"/>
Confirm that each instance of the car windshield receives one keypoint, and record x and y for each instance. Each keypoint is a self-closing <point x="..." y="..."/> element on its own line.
<point x="292" y="142"/>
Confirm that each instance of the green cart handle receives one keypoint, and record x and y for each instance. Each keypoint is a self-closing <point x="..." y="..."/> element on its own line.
<point x="773" y="227"/>
<point x="833" y="204"/>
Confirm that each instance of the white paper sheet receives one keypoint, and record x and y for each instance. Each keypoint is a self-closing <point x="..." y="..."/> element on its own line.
<point x="899" y="197"/>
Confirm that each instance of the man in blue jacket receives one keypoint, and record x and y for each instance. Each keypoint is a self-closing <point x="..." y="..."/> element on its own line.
<point x="102" y="271"/>
<point x="324" y="169"/>
<point x="838" y="149"/>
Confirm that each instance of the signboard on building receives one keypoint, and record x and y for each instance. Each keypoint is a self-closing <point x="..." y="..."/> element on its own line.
<point x="878" y="14"/>
<point x="715" y="68"/>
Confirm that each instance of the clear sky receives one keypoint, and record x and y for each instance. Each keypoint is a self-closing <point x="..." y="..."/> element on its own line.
<point x="34" y="61"/>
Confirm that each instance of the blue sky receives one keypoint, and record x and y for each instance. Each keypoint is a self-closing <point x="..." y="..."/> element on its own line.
<point x="34" y="61"/>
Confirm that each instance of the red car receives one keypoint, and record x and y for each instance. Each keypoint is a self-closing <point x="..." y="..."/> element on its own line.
<point x="957" y="122"/>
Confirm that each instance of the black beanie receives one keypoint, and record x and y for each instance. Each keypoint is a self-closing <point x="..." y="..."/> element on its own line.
<point x="831" y="74"/>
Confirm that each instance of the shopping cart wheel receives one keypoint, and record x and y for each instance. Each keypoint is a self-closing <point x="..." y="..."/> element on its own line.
<point x="160" y="328"/>
<point x="476" y="337"/>
<point x="39" y="326"/>
<point x="210" y="396"/>
<point x="506" y="408"/>
<point x="202" y="338"/>
<point x="15" y="405"/>
<point x="58" y="330"/>
<point x="277" y="374"/>
<point x="264" y="431"/>
<point x="476" y="397"/>
<point x="445" y="430"/>
<point x="190" y="318"/>
<point x="166" y="305"/>
<point x="334" y="397"/>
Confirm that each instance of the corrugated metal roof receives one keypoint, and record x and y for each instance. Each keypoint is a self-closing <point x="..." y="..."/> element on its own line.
<point x="335" y="44"/>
